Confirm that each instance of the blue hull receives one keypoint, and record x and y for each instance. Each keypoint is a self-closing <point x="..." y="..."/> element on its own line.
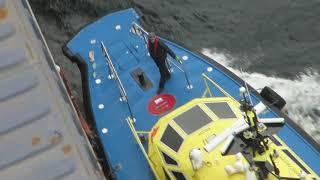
<point x="128" y="52"/>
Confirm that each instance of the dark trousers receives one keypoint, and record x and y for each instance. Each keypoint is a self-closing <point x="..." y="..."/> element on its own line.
<point x="164" y="73"/>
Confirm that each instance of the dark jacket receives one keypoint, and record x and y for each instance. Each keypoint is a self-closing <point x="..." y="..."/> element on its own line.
<point x="161" y="52"/>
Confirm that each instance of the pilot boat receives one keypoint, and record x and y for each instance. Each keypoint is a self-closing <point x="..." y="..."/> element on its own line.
<point x="207" y="124"/>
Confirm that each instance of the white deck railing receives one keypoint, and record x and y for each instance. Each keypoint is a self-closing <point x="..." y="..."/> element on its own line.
<point x="113" y="74"/>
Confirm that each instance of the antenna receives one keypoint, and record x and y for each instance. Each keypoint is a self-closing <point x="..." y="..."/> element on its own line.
<point x="247" y="89"/>
<point x="254" y="139"/>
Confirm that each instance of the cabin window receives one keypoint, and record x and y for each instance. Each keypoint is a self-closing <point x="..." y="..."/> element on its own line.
<point x="171" y="138"/>
<point x="169" y="160"/>
<point x="222" y="110"/>
<point x="166" y="174"/>
<point x="178" y="175"/>
<point x="192" y="120"/>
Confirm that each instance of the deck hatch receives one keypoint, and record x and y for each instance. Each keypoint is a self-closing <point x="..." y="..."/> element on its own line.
<point x="221" y="109"/>
<point x="171" y="138"/>
<point x="192" y="120"/>
<point x="141" y="79"/>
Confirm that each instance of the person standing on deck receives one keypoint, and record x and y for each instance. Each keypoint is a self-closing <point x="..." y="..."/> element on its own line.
<point x="158" y="51"/>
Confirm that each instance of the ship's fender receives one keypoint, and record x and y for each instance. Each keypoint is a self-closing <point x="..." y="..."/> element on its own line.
<point x="272" y="97"/>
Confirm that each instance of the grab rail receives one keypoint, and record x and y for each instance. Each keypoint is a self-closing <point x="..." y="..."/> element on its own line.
<point x="182" y="69"/>
<point x="113" y="74"/>
<point x="205" y="78"/>
<point x="139" y="30"/>
<point x="136" y="137"/>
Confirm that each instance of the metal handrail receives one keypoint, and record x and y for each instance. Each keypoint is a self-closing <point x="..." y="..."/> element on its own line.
<point x="136" y="137"/>
<point x="172" y="62"/>
<point x="137" y="26"/>
<point x="205" y="78"/>
<point x="184" y="72"/>
<point x="114" y="73"/>
<point x="138" y="30"/>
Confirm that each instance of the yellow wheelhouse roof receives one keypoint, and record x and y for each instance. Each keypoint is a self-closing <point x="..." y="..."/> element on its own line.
<point x="191" y="127"/>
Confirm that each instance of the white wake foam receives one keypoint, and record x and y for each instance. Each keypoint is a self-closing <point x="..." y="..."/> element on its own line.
<point x="301" y="94"/>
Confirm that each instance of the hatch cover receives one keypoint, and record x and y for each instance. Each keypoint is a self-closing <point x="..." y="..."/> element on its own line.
<point x="141" y="79"/>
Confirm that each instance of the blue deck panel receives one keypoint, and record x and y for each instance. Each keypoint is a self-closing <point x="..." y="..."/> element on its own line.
<point x="118" y="142"/>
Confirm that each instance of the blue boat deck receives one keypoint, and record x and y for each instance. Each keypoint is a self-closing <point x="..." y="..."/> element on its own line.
<point x="128" y="52"/>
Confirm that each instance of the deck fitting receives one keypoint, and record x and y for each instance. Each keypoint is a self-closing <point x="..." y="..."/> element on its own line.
<point x="185" y="58"/>
<point x="104" y="130"/>
<point x="93" y="41"/>
<point x="94" y="65"/>
<point x="118" y="27"/>
<point x="98" y="81"/>
<point x="100" y="106"/>
<point x="122" y="99"/>
<point x="110" y="76"/>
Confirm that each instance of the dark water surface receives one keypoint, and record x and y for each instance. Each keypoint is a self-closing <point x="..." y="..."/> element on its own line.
<point x="278" y="39"/>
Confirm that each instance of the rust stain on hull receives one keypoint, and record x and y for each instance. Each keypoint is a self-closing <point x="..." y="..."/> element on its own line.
<point x="3" y="13"/>
<point x="67" y="149"/>
<point x="55" y="139"/>
<point x="35" y="140"/>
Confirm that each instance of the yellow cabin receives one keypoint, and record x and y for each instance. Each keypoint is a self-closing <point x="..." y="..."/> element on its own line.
<point x="200" y="140"/>
<point x="220" y="138"/>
